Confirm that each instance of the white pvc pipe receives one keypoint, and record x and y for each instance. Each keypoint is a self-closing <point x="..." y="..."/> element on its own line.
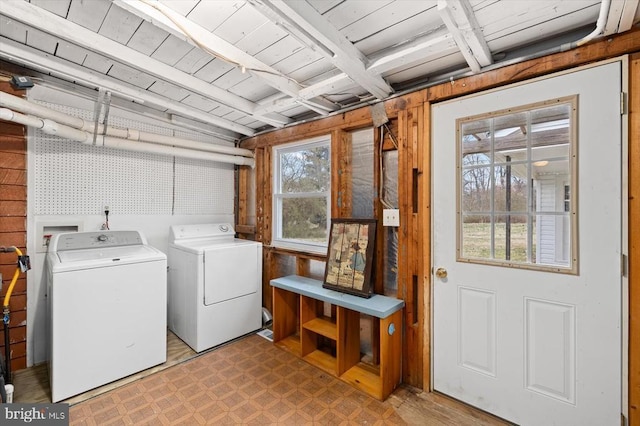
<point x="24" y="106"/>
<point x="53" y="128"/>
<point x="600" y="23"/>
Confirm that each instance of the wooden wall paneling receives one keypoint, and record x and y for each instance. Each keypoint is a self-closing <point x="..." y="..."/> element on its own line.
<point x="269" y="272"/>
<point x="350" y="120"/>
<point x="260" y="195"/>
<point x="267" y="187"/>
<point x="380" y="253"/>
<point x="263" y="195"/>
<point x="242" y="215"/>
<point x="404" y="273"/>
<point x="13" y="213"/>
<point x="408" y="241"/>
<point x="424" y="227"/>
<point x="414" y="318"/>
<point x="634" y="240"/>
<point x="341" y="197"/>
<point x="303" y="266"/>
<point x="263" y="222"/>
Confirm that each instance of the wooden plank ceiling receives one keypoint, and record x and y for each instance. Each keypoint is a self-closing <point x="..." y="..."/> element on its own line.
<point x="238" y="67"/>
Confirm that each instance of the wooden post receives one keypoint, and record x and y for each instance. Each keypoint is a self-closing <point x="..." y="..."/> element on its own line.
<point x="424" y="246"/>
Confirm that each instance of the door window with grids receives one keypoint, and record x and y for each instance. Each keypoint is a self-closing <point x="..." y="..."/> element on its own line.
<point x="516" y="197"/>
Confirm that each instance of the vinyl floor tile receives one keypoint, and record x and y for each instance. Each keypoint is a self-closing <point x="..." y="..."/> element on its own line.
<point x="248" y="381"/>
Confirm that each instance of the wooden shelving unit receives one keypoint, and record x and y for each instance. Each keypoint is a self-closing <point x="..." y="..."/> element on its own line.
<point x="300" y="327"/>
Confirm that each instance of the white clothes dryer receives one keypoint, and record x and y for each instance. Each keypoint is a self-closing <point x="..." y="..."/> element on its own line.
<point x="215" y="284"/>
<point x="107" y="308"/>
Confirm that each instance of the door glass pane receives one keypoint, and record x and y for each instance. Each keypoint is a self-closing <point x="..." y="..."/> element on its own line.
<point x="511" y="238"/>
<point x="517" y="171"/>
<point x="476" y="189"/>
<point x="510" y="138"/>
<point x="476" y="142"/>
<point x="511" y="189"/>
<point x="476" y="236"/>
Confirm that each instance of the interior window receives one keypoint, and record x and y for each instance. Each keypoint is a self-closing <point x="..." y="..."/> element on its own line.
<point x="302" y="194"/>
<point x="515" y="198"/>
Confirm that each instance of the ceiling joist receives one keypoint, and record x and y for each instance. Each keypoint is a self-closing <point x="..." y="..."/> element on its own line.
<point x="302" y="20"/>
<point x="620" y="17"/>
<point x="459" y="18"/>
<point x="35" y="59"/>
<point x="53" y="24"/>
<point x="431" y="46"/>
<point x="165" y="18"/>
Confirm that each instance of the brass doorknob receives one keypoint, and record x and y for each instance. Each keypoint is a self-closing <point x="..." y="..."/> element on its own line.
<point x="441" y="273"/>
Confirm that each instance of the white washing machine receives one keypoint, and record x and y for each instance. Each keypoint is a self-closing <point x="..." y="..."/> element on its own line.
<point x="215" y="284"/>
<point x="107" y="306"/>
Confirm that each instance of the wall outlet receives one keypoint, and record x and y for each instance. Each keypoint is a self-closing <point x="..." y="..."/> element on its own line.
<point x="391" y="217"/>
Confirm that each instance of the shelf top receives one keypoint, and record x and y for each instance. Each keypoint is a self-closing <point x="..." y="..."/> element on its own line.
<point x="377" y="305"/>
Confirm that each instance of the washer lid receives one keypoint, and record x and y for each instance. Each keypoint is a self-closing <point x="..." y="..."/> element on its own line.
<point x="74" y="260"/>
<point x="95" y="240"/>
<point x="125" y="252"/>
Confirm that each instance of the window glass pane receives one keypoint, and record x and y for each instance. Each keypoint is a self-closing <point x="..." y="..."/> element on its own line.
<point x="551" y="152"/>
<point x="510" y="138"/>
<point x="552" y="178"/>
<point x="516" y="203"/>
<point x="511" y="238"/>
<point x="550" y="125"/>
<point x="476" y="237"/>
<point x="307" y="170"/>
<point x="476" y="189"/>
<point x="511" y="188"/>
<point x="305" y="219"/>
<point x="476" y="142"/>
<point x="302" y="194"/>
<point x="553" y="237"/>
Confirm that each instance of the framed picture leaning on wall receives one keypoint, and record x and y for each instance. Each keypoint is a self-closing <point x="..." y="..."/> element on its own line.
<point x="350" y="258"/>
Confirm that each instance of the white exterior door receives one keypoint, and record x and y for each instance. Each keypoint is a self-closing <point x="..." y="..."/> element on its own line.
<point x="531" y="343"/>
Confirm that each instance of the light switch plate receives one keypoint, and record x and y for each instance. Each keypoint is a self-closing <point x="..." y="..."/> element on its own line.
<point x="391" y="217"/>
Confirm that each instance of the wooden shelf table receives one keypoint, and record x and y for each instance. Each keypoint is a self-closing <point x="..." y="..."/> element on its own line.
<point x="300" y="327"/>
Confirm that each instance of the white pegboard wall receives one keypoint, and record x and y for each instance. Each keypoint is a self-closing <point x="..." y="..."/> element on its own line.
<point x="76" y="179"/>
<point x="208" y="190"/>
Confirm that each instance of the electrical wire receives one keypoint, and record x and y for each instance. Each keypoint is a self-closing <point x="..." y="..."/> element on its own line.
<point x="106" y="220"/>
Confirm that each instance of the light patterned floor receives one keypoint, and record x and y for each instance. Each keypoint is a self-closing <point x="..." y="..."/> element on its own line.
<point x="251" y="378"/>
<point x="249" y="382"/>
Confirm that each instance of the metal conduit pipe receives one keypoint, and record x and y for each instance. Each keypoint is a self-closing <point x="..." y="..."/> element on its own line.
<point x="24" y="106"/>
<point x="51" y="127"/>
